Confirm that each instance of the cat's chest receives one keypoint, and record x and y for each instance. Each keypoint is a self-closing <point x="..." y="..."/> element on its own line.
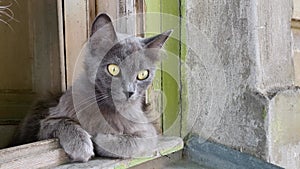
<point x="106" y="121"/>
<point x="126" y="122"/>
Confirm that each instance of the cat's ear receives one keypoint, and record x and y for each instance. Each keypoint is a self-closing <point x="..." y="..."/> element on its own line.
<point x="157" y="41"/>
<point x="154" y="44"/>
<point x="103" y="23"/>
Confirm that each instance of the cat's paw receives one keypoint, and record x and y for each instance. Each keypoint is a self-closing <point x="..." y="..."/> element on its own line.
<point x="79" y="147"/>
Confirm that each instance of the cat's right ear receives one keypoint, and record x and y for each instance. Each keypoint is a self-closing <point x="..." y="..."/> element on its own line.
<point x="104" y="24"/>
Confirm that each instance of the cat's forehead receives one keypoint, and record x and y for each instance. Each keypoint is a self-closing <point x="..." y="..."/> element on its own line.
<point x="130" y="46"/>
<point x="127" y="50"/>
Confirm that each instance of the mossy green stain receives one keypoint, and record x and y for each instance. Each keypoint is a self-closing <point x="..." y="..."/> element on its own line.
<point x="264" y="113"/>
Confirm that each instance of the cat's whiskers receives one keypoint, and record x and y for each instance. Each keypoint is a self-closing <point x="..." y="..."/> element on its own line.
<point x="7" y="15"/>
<point x="98" y="100"/>
<point x="87" y="99"/>
<point x="89" y="102"/>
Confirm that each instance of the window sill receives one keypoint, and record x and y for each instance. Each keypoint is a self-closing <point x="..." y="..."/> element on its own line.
<point x="49" y="154"/>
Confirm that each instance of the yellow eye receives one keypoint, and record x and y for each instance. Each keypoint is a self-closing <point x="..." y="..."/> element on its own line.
<point x="113" y="69"/>
<point x="144" y="74"/>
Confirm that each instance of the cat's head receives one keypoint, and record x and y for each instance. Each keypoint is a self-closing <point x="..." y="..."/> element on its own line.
<point x="121" y="67"/>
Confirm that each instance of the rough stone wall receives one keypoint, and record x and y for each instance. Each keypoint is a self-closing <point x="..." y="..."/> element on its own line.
<point x="239" y="58"/>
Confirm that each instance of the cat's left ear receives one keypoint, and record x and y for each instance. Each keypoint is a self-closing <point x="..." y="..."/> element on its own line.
<point x="104" y="24"/>
<point x="157" y="41"/>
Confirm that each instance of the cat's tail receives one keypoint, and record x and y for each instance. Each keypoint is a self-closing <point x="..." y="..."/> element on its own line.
<point x="28" y="129"/>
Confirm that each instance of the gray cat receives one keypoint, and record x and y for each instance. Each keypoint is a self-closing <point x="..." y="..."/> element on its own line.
<point x="103" y="112"/>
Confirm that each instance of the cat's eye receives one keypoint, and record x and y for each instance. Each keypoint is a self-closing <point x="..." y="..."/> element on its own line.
<point x="142" y="75"/>
<point x="113" y="69"/>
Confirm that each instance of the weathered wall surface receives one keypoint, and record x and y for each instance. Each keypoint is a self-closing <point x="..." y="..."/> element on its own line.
<point x="239" y="58"/>
<point x="274" y="53"/>
<point x="284" y="135"/>
<point x="229" y="27"/>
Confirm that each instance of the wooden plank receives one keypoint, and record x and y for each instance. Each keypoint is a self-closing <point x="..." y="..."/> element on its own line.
<point x="171" y="69"/>
<point x="161" y="162"/>
<point x="45" y="42"/>
<point x="76" y="16"/>
<point x="46" y="160"/>
<point x="92" y="13"/>
<point x="10" y="154"/>
<point x="40" y="154"/>
<point x="140" y="20"/>
<point x="122" y="13"/>
<point x="126" y="22"/>
<point x="164" y="15"/>
<point x="61" y="30"/>
<point x="109" y="7"/>
<point x="166" y="145"/>
<point x="48" y="153"/>
<point x="153" y="27"/>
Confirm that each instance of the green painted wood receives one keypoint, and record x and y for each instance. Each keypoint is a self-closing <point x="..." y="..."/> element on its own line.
<point x="170" y="79"/>
<point x="153" y="27"/>
<point x="170" y="76"/>
<point x="183" y="53"/>
<point x="166" y="146"/>
<point x="48" y="153"/>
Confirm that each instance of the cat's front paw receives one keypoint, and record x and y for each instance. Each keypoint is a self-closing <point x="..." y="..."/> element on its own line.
<point x="79" y="147"/>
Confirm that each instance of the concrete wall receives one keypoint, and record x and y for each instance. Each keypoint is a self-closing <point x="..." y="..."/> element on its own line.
<point x="227" y="78"/>
<point x="284" y="127"/>
<point x="240" y="60"/>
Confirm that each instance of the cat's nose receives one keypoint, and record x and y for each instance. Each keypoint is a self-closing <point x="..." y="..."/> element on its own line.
<point x="128" y="94"/>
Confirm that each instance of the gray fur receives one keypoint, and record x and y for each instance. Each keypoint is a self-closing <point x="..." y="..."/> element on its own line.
<point x="95" y="115"/>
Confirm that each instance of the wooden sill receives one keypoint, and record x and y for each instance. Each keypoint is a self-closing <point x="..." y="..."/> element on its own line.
<point x="45" y="154"/>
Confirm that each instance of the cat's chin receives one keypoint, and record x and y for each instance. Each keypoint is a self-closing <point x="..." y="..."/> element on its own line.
<point x="124" y="101"/>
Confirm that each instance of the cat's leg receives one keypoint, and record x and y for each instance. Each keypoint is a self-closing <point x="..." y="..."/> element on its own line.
<point x="124" y="146"/>
<point x="74" y="140"/>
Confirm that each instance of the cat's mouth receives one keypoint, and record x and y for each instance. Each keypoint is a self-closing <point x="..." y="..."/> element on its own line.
<point x="114" y="97"/>
<point x="123" y="96"/>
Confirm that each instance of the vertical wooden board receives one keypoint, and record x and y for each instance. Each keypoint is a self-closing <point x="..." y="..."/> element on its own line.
<point x="109" y="7"/>
<point x="45" y="42"/>
<point x="122" y="13"/>
<point x="153" y="27"/>
<point x="171" y="82"/>
<point x="76" y="33"/>
<point x="140" y="20"/>
<point x="92" y="11"/>
<point x="60" y="12"/>
<point x="126" y="22"/>
<point x="152" y="18"/>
